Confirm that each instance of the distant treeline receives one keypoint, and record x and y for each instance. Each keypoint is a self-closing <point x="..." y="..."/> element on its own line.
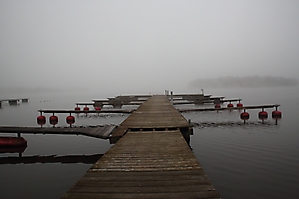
<point x="244" y="82"/>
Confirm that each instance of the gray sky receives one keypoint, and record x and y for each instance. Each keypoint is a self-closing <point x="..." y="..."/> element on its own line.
<point x="145" y="46"/>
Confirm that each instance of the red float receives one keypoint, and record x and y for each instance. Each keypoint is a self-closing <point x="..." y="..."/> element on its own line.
<point x="12" y="141"/>
<point x="85" y="109"/>
<point x="230" y="105"/>
<point x="240" y="105"/>
<point x="53" y="120"/>
<point x="263" y="115"/>
<point x="77" y="108"/>
<point x="41" y="120"/>
<point x="97" y="108"/>
<point x="244" y="116"/>
<point x="217" y="106"/>
<point x="276" y="114"/>
<point x="70" y="120"/>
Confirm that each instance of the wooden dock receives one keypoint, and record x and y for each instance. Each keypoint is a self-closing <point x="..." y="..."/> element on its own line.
<point x="177" y="99"/>
<point x="99" y="131"/>
<point x="230" y="108"/>
<point x="151" y="159"/>
<point x="125" y="111"/>
<point x="13" y="101"/>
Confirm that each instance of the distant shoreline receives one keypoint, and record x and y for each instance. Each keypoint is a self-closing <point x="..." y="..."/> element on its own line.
<point x="244" y="82"/>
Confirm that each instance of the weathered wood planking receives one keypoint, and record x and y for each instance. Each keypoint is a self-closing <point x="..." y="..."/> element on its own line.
<point x="97" y="131"/>
<point x="152" y="164"/>
<point x="147" y="164"/>
<point x="156" y="112"/>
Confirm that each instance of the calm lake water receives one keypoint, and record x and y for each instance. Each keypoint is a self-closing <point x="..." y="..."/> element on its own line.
<point x="242" y="161"/>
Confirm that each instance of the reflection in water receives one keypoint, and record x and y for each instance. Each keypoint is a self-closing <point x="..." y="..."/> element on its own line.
<point x="233" y="123"/>
<point x="18" y="149"/>
<point x="85" y="159"/>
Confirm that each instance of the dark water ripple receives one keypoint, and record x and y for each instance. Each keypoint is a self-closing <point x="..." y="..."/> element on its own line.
<point x="255" y="162"/>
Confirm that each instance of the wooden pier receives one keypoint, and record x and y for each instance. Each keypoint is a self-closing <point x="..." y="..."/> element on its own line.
<point x="230" y="108"/>
<point x="121" y="100"/>
<point x="152" y="159"/>
<point x="126" y="111"/>
<point x="102" y="131"/>
<point x="13" y="101"/>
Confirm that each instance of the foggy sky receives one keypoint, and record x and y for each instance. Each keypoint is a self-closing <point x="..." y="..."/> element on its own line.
<point x="144" y="46"/>
<point x="244" y="82"/>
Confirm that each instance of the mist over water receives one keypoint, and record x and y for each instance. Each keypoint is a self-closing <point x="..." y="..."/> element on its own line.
<point x="244" y="82"/>
<point x="242" y="161"/>
<point x="60" y="52"/>
<point x="144" y="47"/>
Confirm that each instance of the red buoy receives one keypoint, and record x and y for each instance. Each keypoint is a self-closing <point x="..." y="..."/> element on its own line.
<point x="97" y="108"/>
<point x="41" y="120"/>
<point x="244" y="116"/>
<point x="12" y="141"/>
<point x="230" y="105"/>
<point x="53" y="120"/>
<point x="276" y="114"/>
<point x="77" y="108"/>
<point x="263" y="115"/>
<point x="86" y="109"/>
<point x="70" y="120"/>
<point x="240" y="105"/>
<point x="217" y="106"/>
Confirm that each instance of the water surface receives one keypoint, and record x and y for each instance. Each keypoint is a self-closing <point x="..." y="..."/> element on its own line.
<point x="242" y="161"/>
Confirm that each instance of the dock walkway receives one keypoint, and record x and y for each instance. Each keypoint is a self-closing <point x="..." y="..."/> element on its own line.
<point x="151" y="160"/>
<point x="102" y="131"/>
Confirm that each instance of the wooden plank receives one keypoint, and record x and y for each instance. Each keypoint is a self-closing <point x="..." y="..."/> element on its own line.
<point x="120" y="131"/>
<point x="162" y="114"/>
<point x="143" y="151"/>
<point x="108" y="131"/>
<point x="94" y="131"/>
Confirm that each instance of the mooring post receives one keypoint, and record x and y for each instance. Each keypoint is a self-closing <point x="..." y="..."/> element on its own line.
<point x="186" y="132"/>
<point x="171" y="97"/>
